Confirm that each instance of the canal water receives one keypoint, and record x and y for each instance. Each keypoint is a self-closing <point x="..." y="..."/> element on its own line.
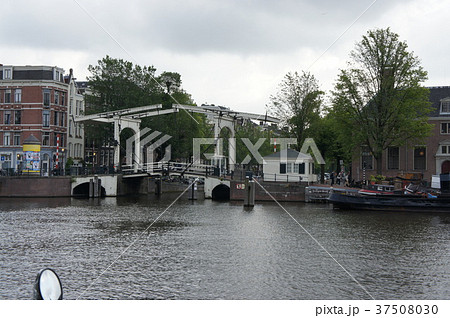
<point x="221" y="250"/>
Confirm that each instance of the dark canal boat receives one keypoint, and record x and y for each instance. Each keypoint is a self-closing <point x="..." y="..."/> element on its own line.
<point x="384" y="198"/>
<point x="390" y="202"/>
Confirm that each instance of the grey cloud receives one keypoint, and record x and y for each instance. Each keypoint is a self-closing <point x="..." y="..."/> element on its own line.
<point x="250" y="26"/>
<point x="241" y="27"/>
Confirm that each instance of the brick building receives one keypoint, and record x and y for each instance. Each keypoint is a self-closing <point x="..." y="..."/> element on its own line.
<point x="34" y="101"/>
<point x="430" y="158"/>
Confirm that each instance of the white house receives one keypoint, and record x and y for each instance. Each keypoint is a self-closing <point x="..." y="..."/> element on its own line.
<point x="289" y="166"/>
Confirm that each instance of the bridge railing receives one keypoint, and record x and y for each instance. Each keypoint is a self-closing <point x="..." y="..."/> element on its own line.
<point x="170" y="168"/>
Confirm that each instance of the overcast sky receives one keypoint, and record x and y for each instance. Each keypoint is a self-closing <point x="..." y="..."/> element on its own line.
<point x="229" y="52"/>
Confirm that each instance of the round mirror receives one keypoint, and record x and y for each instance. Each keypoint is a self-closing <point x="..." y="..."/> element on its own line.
<point x="47" y="286"/>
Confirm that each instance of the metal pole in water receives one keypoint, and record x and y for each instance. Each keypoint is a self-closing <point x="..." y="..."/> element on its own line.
<point x="193" y="195"/>
<point x="249" y="197"/>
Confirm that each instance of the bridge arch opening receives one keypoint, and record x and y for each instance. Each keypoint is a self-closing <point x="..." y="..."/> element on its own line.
<point x="221" y="193"/>
<point x="127" y="155"/>
<point x="82" y="191"/>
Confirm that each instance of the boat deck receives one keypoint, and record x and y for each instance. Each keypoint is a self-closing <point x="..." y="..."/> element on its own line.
<point x="318" y="194"/>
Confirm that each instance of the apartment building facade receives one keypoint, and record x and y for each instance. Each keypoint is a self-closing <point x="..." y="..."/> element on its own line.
<point x="35" y="101"/>
<point x="429" y="158"/>
<point x="75" y="130"/>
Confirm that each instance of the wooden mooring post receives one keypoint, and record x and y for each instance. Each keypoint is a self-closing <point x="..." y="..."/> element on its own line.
<point x="95" y="186"/>
<point x="158" y="186"/>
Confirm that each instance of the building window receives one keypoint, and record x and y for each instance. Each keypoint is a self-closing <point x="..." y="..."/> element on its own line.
<point x="46" y="97"/>
<point x="55" y="122"/>
<point x="393" y="158"/>
<point x="46" y="139"/>
<point x="62" y="119"/>
<point x="445" y="128"/>
<point x="63" y="99"/>
<point x="70" y="128"/>
<point x="77" y="111"/>
<point x="445" y="149"/>
<point x="61" y="140"/>
<point x="18" y="96"/>
<point x="445" y="106"/>
<point x="56" y="98"/>
<point x="7" y="73"/>
<point x="420" y="155"/>
<point x="301" y="168"/>
<point x="16" y="139"/>
<point x="7" y="120"/>
<point x="289" y="167"/>
<point x="7" y="96"/>
<point x="46" y="118"/>
<point x="282" y="168"/>
<point x="17" y="117"/>
<point x="366" y="158"/>
<point x="6" y="139"/>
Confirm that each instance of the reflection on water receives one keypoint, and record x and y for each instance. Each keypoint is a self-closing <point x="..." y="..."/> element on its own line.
<point x="210" y="250"/>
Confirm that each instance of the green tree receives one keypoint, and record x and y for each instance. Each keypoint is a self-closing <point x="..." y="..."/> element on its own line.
<point x="324" y="131"/>
<point x="378" y="101"/>
<point x="253" y="133"/>
<point x="118" y="84"/>
<point x="297" y="104"/>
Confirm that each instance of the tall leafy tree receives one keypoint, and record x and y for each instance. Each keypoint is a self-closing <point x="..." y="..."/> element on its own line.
<point x="297" y="104"/>
<point x="333" y="149"/>
<point x="379" y="101"/>
<point x="253" y="133"/>
<point x="118" y="84"/>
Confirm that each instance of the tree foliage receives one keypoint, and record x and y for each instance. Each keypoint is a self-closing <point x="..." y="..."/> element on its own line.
<point x="333" y="148"/>
<point x="378" y="101"/>
<point x="118" y="84"/>
<point x="297" y="104"/>
<point x="252" y="132"/>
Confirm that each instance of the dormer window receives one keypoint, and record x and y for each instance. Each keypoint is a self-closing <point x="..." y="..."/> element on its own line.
<point x="445" y="106"/>
<point x="7" y="73"/>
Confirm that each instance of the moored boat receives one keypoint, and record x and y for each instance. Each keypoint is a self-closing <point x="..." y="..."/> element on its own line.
<point x="390" y="202"/>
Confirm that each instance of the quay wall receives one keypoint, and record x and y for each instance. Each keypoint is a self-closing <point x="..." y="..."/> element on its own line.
<point x="35" y="186"/>
<point x="281" y="191"/>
